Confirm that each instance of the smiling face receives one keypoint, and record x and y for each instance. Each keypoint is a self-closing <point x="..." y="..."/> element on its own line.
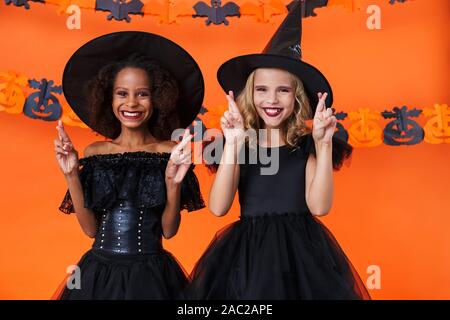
<point x="131" y="101"/>
<point x="273" y="96"/>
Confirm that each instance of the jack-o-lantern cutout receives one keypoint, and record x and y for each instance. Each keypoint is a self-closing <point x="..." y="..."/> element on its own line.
<point x="364" y="130"/>
<point x="437" y="129"/>
<point x="402" y="130"/>
<point x="12" y="95"/>
<point x="43" y="104"/>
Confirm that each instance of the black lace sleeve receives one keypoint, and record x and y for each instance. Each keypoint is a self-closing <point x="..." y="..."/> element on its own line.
<point x="66" y="205"/>
<point x="342" y="151"/>
<point x="191" y="197"/>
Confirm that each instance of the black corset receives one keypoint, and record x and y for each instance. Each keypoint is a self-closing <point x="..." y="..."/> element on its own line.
<point x="129" y="230"/>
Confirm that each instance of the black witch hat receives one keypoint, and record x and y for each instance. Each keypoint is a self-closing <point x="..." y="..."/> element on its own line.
<point x="87" y="61"/>
<point x="283" y="52"/>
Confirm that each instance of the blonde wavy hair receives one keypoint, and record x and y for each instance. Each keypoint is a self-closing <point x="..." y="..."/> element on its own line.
<point x="294" y="127"/>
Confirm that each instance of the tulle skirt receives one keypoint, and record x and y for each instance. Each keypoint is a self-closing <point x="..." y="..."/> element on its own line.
<point x="123" y="276"/>
<point x="287" y="256"/>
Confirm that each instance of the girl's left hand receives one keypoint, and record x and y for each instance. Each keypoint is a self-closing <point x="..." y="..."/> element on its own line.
<point x="180" y="160"/>
<point x="324" y="122"/>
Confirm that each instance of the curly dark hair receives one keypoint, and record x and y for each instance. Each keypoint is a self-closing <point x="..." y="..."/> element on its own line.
<point x="164" y="95"/>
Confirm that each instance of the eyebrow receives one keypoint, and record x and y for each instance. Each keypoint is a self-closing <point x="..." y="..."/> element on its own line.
<point x="285" y="87"/>
<point x="279" y="87"/>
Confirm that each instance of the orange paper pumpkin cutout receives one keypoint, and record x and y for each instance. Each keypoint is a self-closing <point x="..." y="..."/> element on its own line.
<point x="12" y="95"/>
<point x="365" y="131"/>
<point x="437" y="129"/>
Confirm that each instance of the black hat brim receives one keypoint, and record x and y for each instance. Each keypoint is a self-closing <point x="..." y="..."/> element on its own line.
<point x="87" y="61"/>
<point x="233" y="74"/>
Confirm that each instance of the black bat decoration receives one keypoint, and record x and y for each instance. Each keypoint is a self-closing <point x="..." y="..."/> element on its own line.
<point x="22" y="3"/>
<point x="394" y="1"/>
<point x="216" y="13"/>
<point x="120" y="9"/>
<point x="308" y="6"/>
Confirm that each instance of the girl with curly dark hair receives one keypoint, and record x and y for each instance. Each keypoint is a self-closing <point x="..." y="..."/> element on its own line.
<point x="164" y="89"/>
<point x="130" y="189"/>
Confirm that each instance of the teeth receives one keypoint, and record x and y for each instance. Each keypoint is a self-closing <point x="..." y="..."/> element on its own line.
<point x="131" y="114"/>
<point x="272" y="111"/>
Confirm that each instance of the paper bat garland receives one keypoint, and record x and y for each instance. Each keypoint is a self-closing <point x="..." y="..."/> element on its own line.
<point x="120" y="9"/>
<point x="216" y="13"/>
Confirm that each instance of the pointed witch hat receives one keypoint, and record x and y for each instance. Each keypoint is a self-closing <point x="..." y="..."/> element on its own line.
<point x="283" y="52"/>
<point x="88" y="60"/>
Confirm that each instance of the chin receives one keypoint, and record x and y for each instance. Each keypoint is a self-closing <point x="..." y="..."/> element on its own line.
<point x="273" y="123"/>
<point x="134" y="124"/>
<point x="269" y="123"/>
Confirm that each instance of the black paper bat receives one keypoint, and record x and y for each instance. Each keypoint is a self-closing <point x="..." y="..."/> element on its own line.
<point x="22" y="3"/>
<point x="308" y="6"/>
<point x="120" y="9"/>
<point x="216" y="13"/>
<point x="394" y="1"/>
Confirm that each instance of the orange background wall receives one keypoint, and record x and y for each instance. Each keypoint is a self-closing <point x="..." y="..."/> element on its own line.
<point x="391" y="205"/>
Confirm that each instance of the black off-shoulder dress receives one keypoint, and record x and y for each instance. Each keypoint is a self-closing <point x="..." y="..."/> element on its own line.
<point x="127" y="193"/>
<point x="278" y="249"/>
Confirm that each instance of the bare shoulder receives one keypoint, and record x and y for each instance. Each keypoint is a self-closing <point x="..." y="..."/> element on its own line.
<point x="94" y="148"/>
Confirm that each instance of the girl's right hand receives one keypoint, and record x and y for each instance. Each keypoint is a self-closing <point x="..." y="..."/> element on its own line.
<point x="66" y="155"/>
<point x="232" y="122"/>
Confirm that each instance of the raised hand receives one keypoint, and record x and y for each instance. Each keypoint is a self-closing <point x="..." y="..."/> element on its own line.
<point x="180" y="160"/>
<point x="66" y="155"/>
<point x="232" y="122"/>
<point x="324" y="122"/>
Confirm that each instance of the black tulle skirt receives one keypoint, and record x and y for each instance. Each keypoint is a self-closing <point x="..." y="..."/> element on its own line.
<point x="286" y="256"/>
<point x="123" y="276"/>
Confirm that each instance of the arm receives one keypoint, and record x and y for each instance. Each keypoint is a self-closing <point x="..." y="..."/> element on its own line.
<point x="226" y="182"/>
<point x="319" y="170"/>
<point x="171" y="216"/>
<point x="177" y="167"/>
<point x="319" y="180"/>
<point x="67" y="158"/>
<point x="86" y="217"/>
